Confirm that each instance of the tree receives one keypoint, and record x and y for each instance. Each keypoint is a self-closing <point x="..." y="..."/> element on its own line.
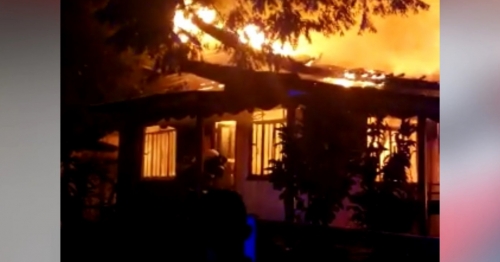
<point x="288" y="174"/>
<point x="92" y="72"/>
<point x="150" y="27"/>
<point x="389" y="204"/>
<point x="309" y="172"/>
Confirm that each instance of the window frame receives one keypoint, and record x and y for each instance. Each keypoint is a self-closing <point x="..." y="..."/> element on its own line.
<point x="262" y="176"/>
<point x="217" y="134"/>
<point x="160" y="131"/>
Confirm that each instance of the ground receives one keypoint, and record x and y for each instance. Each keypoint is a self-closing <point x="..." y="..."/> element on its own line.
<point x="276" y="241"/>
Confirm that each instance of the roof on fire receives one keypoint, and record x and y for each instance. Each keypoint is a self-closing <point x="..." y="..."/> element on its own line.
<point x="178" y="96"/>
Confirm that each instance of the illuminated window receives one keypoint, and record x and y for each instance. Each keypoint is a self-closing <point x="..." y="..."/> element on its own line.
<point x="265" y="139"/>
<point x="389" y="143"/>
<point x="159" y="152"/>
<point x="225" y="139"/>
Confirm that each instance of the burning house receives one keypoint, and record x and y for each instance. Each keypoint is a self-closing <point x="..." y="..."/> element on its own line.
<point x="238" y="112"/>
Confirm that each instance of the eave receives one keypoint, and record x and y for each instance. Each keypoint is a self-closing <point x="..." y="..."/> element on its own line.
<point x="247" y="89"/>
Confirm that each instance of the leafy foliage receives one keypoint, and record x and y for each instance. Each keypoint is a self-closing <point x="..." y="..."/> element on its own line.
<point x="288" y="173"/>
<point x="84" y="184"/>
<point x="312" y="180"/>
<point x="149" y="27"/>
<point x="91" y="72"/>
<point x="389" y="204"/>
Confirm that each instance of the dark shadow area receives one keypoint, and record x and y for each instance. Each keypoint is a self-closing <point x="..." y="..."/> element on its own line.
<point x="195" y="227"/>
<point x="212" y="227"/>
<point x="277" y="240"/>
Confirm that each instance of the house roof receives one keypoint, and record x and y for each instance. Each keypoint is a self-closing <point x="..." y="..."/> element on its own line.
<point x="246" y="89"/>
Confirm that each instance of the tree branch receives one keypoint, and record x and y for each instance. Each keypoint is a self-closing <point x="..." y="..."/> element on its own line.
<point x="284" y="62"/>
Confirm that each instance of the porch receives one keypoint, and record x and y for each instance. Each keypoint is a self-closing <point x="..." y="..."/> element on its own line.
<point x="203" y="120"/>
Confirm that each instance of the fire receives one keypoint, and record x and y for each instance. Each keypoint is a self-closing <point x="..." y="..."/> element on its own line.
<point x="255" y="38"/>
<point x="368" y="78"/>
<point x="183" y="22"/>
<point x="331" y="49"/>
<point x="251" y="34"/>
<point x="407" y="44"/>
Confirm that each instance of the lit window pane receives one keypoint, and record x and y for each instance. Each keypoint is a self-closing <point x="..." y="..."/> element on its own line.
<point x="159" y="152"/>
<point x="265" y="139"/>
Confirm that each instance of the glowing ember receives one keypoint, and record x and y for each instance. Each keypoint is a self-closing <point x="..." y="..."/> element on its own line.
<point x="364" y="78"/>
<point x="347" y="83"/>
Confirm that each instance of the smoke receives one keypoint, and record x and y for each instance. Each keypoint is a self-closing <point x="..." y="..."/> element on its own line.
<point x="407" y="45"/>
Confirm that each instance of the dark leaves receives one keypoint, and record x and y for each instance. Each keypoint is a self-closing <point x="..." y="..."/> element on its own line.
<point x="142" y="26"/>
<point x="313" y="178"/>
<point x="402" y="7"/>
<point x="387" y="204"/>
<point x="147" y="26"/>
<point x="92" y="72"/>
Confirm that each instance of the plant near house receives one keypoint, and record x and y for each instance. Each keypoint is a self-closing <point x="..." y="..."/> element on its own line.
<point x="328" y="185"/>
<point x="386" y="200"/>
<point x="310" y="184"/>
<point x="92" y="72"/>
<point x="288" y="172"/>
<point x="83" y="188"/>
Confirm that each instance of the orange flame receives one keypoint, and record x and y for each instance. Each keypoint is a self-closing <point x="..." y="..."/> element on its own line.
<point x="407" y="45"/>
<point x="250" y="34"/>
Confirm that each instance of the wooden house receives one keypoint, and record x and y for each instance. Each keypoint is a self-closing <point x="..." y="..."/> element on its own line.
<point x="237" y="112"/>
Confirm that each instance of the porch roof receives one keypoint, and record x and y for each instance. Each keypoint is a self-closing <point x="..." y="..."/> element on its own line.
<point x="246" y="90"/>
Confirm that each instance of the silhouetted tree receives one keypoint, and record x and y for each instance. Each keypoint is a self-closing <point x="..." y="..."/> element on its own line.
<point x="389" y="203"/>
<point x="310" y="172"/>
<point x="92" y="72"/>
<point x="288" y="174"/>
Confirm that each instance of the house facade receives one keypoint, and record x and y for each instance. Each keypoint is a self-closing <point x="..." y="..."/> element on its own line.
<point x="239" y="115"/>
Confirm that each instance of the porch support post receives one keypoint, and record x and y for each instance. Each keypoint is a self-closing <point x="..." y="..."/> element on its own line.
<point x="199" y="134"/>
<point x="129" y="163"/>
<point x="422" y="178"/>
<point x="288" y="199"/>
<point x="199" y="141"/>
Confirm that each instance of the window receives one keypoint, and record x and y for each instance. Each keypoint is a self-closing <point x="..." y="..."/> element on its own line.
<point x="390" y="144"/>
<point x="159" y="152"/>
<point x="265" y="139"/>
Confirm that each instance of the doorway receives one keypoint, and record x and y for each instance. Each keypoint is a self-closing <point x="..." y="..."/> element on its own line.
<point x="225" y="144"/>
